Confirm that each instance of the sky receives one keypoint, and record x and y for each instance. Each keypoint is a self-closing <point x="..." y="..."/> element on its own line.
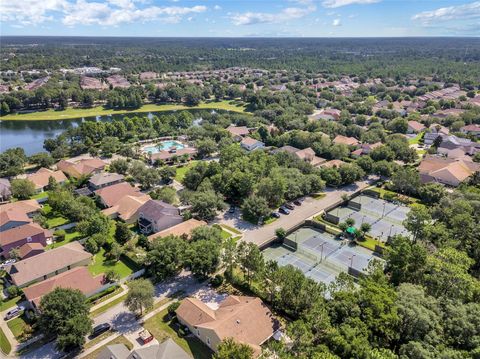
<point x="241" y="18"/>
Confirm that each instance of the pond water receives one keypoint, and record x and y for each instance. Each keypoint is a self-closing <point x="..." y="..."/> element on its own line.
<point x="30" y="134"/>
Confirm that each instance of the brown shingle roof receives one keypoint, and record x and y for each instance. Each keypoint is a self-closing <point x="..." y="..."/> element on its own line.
<point x="111" y="195"/>
<point x="18" y="233"/>
<point x="28" y="206"/>
<point x="14" y="214"/>
<point x="27" y="248"/>
<point x="238" y="130"/>
<point x="41" y="177"/>
<point x="180" y="229"/>
<point x="349" y="141"/>
<point x="77" y="278"/>
<point x="245" y="319"/>
<point x="104" y="178"/>
<point x="30" y="269"/>
<point x="82" y="167"/>
<point x="127" y="206"/>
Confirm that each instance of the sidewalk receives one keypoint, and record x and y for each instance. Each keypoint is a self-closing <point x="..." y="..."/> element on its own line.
<point x="118" y="295"/>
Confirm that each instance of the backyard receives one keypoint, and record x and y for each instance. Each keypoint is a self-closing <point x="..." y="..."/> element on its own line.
<point x="181" y="171"/>
<point x="162" y="328"/>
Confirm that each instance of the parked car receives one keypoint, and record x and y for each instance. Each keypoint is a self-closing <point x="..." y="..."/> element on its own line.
<point x="275" y="215"/>
<point x="297" y="202"/>
<point x="100" y="329"/>
<point x="283" y="210"/>
<point x="15" y="312"/>
<point x="145" y="336"/>
<point x="231" y="209"/>
<point x="289" y="206"/>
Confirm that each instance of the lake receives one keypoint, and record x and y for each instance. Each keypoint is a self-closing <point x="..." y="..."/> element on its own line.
<point x="30" y="134"/>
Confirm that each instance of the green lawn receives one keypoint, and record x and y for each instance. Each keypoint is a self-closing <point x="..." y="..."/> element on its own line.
<point x="161" y="330"/>
<point x="70" y="236"/>
<point x="225" y="234"/>
<point x="107" y="306"/>
<point x="57" y="221"/>
<point x="17" y="326"/>
<point x="40" y="195"/>
<point x="9" y="303"/>
<point x="181" y="171"/>
<point x="101" y="265"/>
<point x="370" y="243"/>
<point x="231" y="229"/>
<point x="5" y="345"/>
<point x="269" y="220"/>
<point x="71" y="113"/>
<point x="415" y="140"/>
<point x="119" y="340"/>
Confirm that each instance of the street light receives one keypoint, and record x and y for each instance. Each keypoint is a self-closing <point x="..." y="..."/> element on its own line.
<point x="384" y="204"/>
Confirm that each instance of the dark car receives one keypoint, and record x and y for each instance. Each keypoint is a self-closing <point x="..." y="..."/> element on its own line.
<point x="289" y="206"/>
<point x="100" y="329"/>
<point x="284" y="210"/>
<point x="297" y="202"/>
<point x="275" y="215"/>
<point x="231" y="209"/>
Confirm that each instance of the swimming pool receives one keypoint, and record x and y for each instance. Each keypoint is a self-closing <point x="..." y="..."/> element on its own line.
<point x="163" y="146"/>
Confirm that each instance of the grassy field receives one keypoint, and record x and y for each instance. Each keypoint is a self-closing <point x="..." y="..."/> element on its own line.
<point x="181" y="171"/>
<point x="18" y="325"/>
<point x="70" y="236"/>
<point x="5" y="345"/>
<point x="119" y="340"/>
<point x="161" y="330"/>
<point x="71" y="113"/>
<point x="9" y="303"/>
<point x="231" y="229"/>
<point x="101" y="265"/>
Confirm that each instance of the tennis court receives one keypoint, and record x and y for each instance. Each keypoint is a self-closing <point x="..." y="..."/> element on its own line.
<point x="386" y="218"/>
<point x="284" y="256"/>
<point x="320" y="255"/>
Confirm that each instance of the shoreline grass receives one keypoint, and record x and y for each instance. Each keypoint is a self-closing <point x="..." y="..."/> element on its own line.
<point x="74" y="113"/>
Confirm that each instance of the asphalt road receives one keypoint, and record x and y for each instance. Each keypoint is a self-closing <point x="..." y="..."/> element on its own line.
<point x="261" y="235"/>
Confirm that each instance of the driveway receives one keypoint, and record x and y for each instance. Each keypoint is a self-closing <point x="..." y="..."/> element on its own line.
<point x="124" y="321"/>
<point x="261" y="235"/>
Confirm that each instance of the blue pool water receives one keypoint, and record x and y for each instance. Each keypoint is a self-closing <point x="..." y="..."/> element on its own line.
<point x="163" y="146"/>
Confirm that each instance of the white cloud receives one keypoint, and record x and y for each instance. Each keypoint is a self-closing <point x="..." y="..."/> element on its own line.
<point x="458" y="12"/>
<point x="289" y="13"/>
<point x="105" y="13"/>
<point x="217" y="7"/>
<point x="336" y="22"/>
<point x="29" y="12"/>
<point x="339" y="3"/>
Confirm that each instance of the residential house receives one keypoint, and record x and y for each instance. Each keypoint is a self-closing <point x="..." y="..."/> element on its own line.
<point x="127" y="208"/>
<point x="245" y="319"/>
<point x="450" y="112"/>
<point x="251" y="144"/>
<point x="18" y="236"/>
<point x="331" y="114"/>
<point x="42" y="176"/>
<point x="48" y="264"/>
<point x="111" y="195"/>
<point x="343" y="140"/>
<point x="5" y="189"/>
<point x="166" y="350"/>
<point x="307" y="154"/>
<point x="84" y="167"/>
<point x="30" y="249"/>
<point x="76" y="278"/>
<point x="104" y="179"/>
<point x="29" y="206"/>
<point x="179" y="230"/>
<point x="238" y="132"/>
<point x="453" y="142"/>
<point x="169" y="156"/>
<point x="471" y="130"/>
<point x="13" y="218"/>
<point x="450" y="172"/>
<point x="155" y="216"/>
<point x="365" y="149"/>
<point x="415" y="127"/>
